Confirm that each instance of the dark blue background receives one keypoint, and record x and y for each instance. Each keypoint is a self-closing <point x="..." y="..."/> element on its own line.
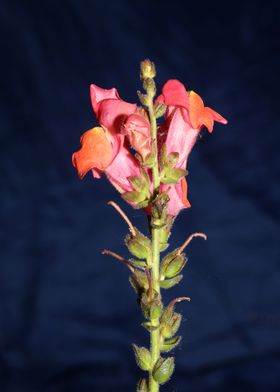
<point x="67" y="314"/>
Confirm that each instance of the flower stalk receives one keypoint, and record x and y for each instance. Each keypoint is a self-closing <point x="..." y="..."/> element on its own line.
<point x="154" y="229"/>
<point x="146" y="163"/>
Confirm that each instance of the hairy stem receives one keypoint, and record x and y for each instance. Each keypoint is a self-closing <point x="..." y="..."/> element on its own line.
<point x="155" y="337"/>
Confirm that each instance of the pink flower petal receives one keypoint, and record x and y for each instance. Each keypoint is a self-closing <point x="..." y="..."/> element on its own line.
<point x="123" y="166"/>
<point x="181" y="137"/>
<point x="175" y="94"/>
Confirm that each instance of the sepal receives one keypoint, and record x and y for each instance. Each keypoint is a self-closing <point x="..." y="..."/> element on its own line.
<point x="143" y="357"/>
<point x="151" y="308"/>
<point x="139" y="282"/>
<point x="149" y="326"/>
<point x="142" y="385"/>
<point x="138" y="263"/>
<point x="141" y="190"/>
<point x="170" y="321"/>
<point x="169" y="344"/>
<point x="169" y="174"/>
<point x="163" y="370"/>
<point x="159" y="109"/>
<point x="168" y="283"/>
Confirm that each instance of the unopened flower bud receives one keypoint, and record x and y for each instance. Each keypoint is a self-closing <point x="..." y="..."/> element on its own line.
<point x="143" y="357"/>
<point x="159" y="109"/>
<point x="148" y="69"/>
<point x="163" y="369"/>
<point x="150" y="86"/>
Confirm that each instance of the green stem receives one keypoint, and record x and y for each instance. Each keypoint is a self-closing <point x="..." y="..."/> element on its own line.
<point x="155" y="336"/>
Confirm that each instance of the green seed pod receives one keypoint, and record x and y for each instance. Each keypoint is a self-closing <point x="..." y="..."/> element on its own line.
<point x="139" y="245"/>
<point x="165" y="232"/>
<point x="163" y="370"/>
<point x="143" y="357"/>
<point x="172" y="264"/>
<point x="142" y="385"/>
<point x="156" y="309"/>
<point x="169" y="329"/>
<point x="170" y="321"/>
<point x="151" y="309"/>
<point x="138" y="281"/>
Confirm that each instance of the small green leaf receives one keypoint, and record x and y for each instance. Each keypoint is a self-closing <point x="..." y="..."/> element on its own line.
<point x="167" y="283"/>
<point x="170" y="344"/>
<point x="163" y="370"/>
<point x="143" y="357"/>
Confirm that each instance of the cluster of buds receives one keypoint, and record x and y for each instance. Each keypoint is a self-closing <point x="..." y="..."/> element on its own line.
<point x="147" y="164"/>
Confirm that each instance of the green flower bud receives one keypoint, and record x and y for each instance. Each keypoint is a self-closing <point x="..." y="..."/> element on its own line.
<point x="139" y="245"/>
<point x="142" y="385"/>
<point x="168" y="283"/>
<point x="170" y="344"/>
<point x="172" y="264"/>
<point x="143" y="357"/>
<point x="159" y="109"/>
<point x="147" y="69"/>
<point x="144" y="99"/>
<point x="163" y="369"/>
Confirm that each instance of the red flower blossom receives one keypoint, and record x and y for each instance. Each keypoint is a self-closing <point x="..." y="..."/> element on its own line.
<point x="185" y="116"/>
<point x="102" y="148"/>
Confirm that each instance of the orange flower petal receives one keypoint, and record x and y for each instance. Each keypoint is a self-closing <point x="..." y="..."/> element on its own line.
<point x="96" y="152"/>
<point x="201" y="115"/>
<point x="184" y="186"/>
<point x="196" y="108"/>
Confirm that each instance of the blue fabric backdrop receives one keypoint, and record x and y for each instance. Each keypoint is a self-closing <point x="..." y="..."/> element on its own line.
<point x="68" y="314"/>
